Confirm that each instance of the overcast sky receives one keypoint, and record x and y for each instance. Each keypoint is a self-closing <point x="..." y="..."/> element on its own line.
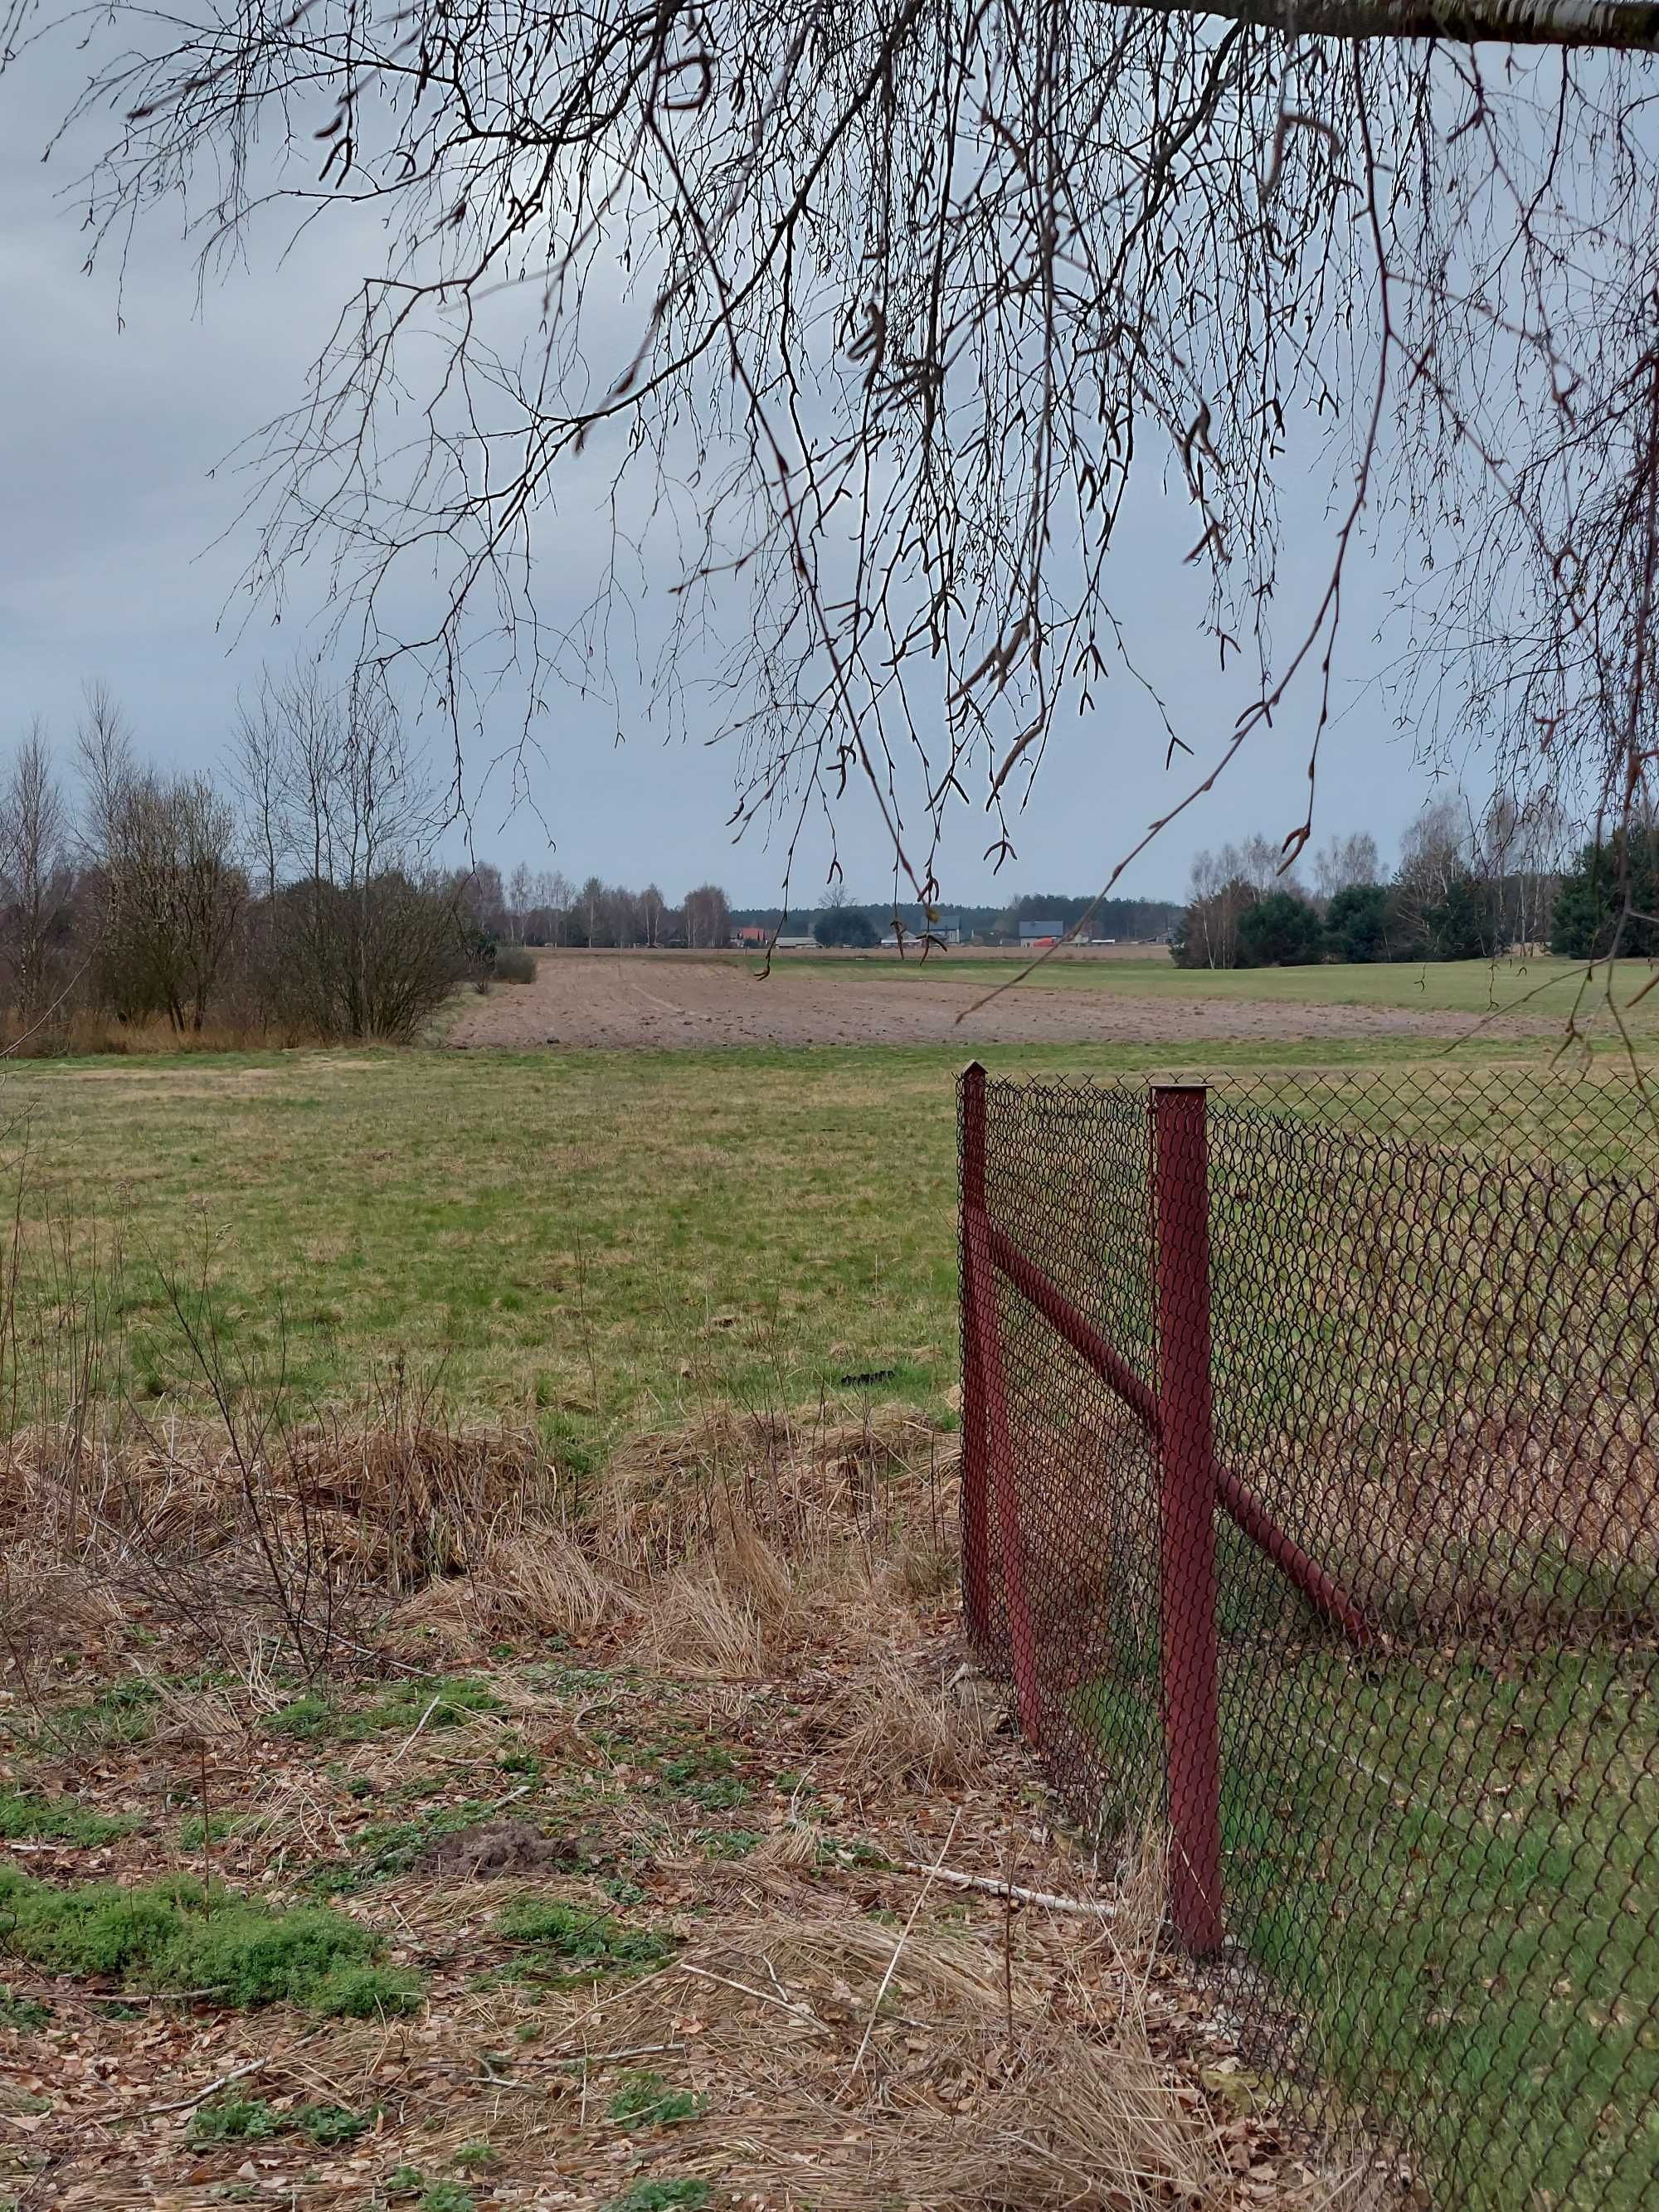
<point x="123" y="548"/>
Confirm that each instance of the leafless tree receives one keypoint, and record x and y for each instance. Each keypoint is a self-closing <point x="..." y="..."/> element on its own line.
<point x="554" y="899"/>
<point x="652" y="910"/>
<point x="708" y="917"/>
<point x="168" y="886"/>
<point x="1518" y="848"/>
<point x="37" y="878"/>
<point x="173" y="891"/>
<point x="1342" y="862"/>
<point x="877" y="308"/>
<point x="1437" y="849"/>
<point x="1219" y="891"/>
<point x="520" y="898"/>
<point x="364" y="934"/>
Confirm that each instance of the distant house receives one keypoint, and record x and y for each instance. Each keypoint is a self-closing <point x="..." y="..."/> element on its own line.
<point x="1041" y="933"/>
<point x="947" y="930"/>
<point x="753" y="936"/>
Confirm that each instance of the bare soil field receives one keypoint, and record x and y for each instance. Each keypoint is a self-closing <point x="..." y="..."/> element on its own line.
<point x="659" y="1000"/>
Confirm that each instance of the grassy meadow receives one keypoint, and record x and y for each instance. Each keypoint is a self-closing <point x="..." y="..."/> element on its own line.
<point x="1543" y="986"/>
<point x="602" y="1243"/>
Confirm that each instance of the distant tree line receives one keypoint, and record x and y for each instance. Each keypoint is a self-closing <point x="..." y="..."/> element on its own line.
<point x="546" y="908"/>
<point x="1464" y="889"/>
<point x="833" y="922"/>
<point x="293" y="894"/>
<point x="296" y="893"/>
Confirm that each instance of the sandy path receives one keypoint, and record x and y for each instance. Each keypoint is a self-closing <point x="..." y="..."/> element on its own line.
<point x="639" y="999"/>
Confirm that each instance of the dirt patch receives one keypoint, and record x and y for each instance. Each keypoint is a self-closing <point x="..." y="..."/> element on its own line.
<point x="625" y="999"/>
<point x="486" y="1854"/>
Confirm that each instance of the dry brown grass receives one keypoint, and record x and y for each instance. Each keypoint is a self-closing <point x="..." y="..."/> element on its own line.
<point x="85" y="1033"/>
<point x="863" y="2036"/>
<point x="906" y="1730"/>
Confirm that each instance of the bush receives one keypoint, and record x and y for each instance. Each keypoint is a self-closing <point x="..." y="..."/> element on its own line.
<point x="514" y="964"/>
<point x="1591" y="902"/>
<point x="1463" y="925"/>
<point x="1356" y="923"/>
<point x="1280" y="931"/>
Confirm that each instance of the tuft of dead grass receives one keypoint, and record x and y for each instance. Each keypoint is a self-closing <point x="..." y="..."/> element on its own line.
<point x="905" y="1729"/>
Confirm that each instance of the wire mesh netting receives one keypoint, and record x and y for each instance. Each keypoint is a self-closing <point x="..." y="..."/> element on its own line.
<point x="1311" y="1509"/>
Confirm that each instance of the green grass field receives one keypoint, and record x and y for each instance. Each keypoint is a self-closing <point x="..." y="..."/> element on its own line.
<point x="604" y="1241"/>
<point x="1543" y="988"/>
<point x="1446" y="1870"/>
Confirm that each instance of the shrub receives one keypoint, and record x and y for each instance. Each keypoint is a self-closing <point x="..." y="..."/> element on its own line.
<point x="846" y="925"/>
<point x="1591" y="902"/>
<point x="1463" y="923"/>
<point x="1280" y="931"/>
<point x="514" y="964"/>
<point x="1356" y="922"/>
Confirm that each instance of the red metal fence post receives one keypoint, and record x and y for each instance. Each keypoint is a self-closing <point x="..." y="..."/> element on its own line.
<point x="975" y="1524"/>
<point x="991" y="1455"/>
<point x="1188" y="1617"/>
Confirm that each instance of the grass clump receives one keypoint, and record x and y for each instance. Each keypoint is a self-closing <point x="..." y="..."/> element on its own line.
<point x="194" y="1830"/>
<point x="26" y="1818"/>
<point x="124" y="1713"/>
<point x="704" y="1776"/>
<point x="646" y="2100"/>
<point x="306" y="1718"/>
<point x="427" y="1706"/>
<point x="236" y="2120"/>
<point x="22" y="2013"/>
<point x="414" y="1705"/>
<point x="585" y="1939"/>
<point x="176" y="1933"/>
<point x="685" y="2195"/>
<point x="251" y="2119"/>
<point x="448" y="2197"/>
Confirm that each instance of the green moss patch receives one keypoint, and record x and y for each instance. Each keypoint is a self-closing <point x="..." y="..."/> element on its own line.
<point x="176" y="1933"/>
<point x="26" y="1818"/>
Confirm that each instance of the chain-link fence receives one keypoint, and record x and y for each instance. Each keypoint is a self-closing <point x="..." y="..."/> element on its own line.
<point x="1311" y="1508"/>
